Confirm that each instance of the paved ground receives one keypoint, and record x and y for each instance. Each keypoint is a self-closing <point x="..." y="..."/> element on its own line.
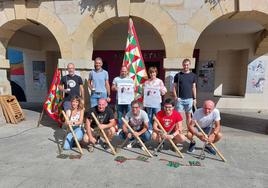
<point x="29" y="159"/>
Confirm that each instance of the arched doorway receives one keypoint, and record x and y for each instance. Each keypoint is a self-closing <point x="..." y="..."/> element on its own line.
<point x="33" y="53"/>
<point x="227" y="48"/>
<point x="109" y="42"/>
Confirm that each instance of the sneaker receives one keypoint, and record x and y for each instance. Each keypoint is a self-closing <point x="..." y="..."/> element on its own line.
<point x="105" y="146"/>
<point x="90" y="148"/>
<point x="131" y="144"/>
<point x="118" y="132"/>
<point x="210" y="150"/>
<point x="191" y="147"/>
<point x="141" y="147"/>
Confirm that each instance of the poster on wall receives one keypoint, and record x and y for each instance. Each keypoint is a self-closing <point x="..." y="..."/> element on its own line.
<point x="256" y="76"/>
<point x="205" y="81"/>
<point x="39" y="75"/>
<point x="16" y="73"/>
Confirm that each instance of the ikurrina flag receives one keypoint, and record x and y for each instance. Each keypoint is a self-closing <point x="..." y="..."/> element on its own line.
<point x="133" y="60"/>
<point x="53" y="103"/>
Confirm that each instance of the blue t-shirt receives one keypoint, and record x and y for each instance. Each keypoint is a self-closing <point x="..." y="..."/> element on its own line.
<point x="99" y="79"/>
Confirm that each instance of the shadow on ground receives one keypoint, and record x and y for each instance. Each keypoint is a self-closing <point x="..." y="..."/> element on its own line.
<point x="252" y="124"/>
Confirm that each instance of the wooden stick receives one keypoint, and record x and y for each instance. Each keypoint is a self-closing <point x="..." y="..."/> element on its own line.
<point x="137" y="137"/>
<point x="72" y="131"/>
<point x="170" y="140"/>
<point x="216" y="149"/>
<point x="103" y="133"/>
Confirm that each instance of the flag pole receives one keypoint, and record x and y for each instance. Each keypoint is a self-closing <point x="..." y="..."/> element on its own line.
<point x="40" y="117"/>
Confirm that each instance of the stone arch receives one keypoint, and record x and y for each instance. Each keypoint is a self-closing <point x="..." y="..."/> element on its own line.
<point x="105" y="28"/>
<point x="82" y="37"/>
<point x="201" y="19"/>
<point x="208" y="14"/>
<point x="29" y="12"/>
<point x="249" y="12"/>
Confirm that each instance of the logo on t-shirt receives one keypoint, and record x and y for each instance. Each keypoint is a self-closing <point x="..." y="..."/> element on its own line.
<point x="71" y="83"/>
<point x="101" y="117"/>
<point x="167" y="122"/>
<point x="135" y="123"/>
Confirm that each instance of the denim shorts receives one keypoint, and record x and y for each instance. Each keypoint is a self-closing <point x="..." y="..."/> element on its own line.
<point x="145" y="137"/>
<point x="184" y="105"/>
<point x="207" y="130"/>
<point x="66" y="105"/>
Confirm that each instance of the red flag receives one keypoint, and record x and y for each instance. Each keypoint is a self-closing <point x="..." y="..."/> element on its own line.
<point x="53" y="103"/>
<point x="133" y="60"/>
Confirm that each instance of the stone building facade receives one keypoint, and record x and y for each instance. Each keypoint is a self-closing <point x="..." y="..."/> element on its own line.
<point x="226" y="41"/>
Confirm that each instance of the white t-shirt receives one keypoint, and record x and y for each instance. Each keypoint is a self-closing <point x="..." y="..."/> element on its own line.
<point x="137" y="122"/>
<point x="206" y="120"/>
<point x="118" y="80"/>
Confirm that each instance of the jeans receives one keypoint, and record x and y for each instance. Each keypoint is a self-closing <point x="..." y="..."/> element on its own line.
<point x="121" y="110"/>
<point x="66" y="105"/>
<point x="69" y="142"/>
<point x="145" y="137"/>
<point x="184" y="105"/>
<point x="96" y="96"/>
<point x="151" y="112"/>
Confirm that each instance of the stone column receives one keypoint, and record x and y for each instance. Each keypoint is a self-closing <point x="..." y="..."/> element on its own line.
<point x="5" y="87"/>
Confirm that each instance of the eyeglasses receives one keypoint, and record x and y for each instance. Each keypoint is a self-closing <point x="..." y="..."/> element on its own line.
<point x="168" y="107"/>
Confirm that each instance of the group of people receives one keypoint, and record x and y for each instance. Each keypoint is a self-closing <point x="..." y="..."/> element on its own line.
<point x="139" y="116"/>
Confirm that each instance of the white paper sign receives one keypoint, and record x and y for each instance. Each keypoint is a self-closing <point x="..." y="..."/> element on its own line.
<point x="125" y="93"/>
<point x="152" y="97"/>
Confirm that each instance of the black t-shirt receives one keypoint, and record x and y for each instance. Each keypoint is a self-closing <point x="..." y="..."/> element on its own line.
<point x="186" y="81"/>
<point x="72" y="82"/>
<point x="103" y="117"/>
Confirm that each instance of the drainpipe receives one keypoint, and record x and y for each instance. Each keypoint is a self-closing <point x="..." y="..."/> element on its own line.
<point x="237" y="8"/>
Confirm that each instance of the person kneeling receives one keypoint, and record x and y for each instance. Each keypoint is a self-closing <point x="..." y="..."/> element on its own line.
<point x="75" y="114"/>
<point x="205" y="117"/>
<point x="138" y="120"/>
<point x="107" y="123"/>
<point x="171" y="121"/>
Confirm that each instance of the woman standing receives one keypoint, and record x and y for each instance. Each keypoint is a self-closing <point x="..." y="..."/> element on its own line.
<point x="153" y="89"/>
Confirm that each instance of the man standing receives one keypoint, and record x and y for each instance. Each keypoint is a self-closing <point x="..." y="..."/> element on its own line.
<point x="171" y="121"/>
<point x="98" y="82"/>
<point x="184" y="90"/>
<point x="71" y="85"/>
<point x="122" y="109"/>
<point x="138" y="121"/>
<point x="208" y="118"/>
<point x="106" y="119"/>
